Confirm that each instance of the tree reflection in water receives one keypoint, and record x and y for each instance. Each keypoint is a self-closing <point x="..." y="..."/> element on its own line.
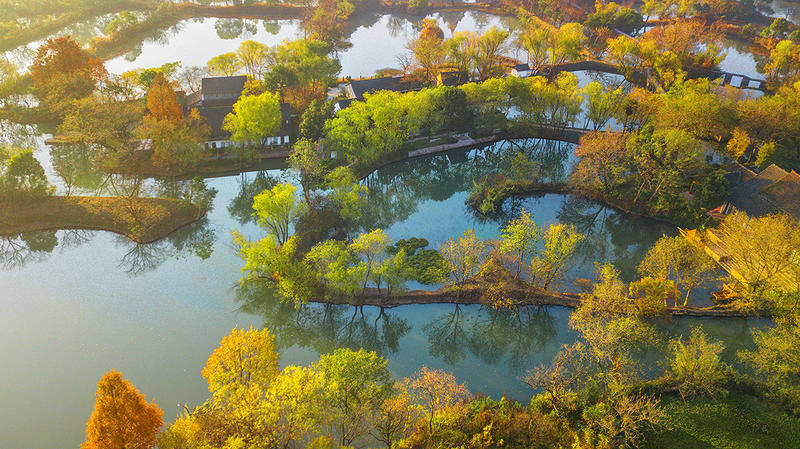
<point x="511" y="335"/>
<point x="493" y="336"/>
<point x="30" y="247"/>
<point x="395" y="191"/>
<point x="610" y="235"/>
<point x="196" y="239"/>
<point x="241" y="206"/>
<point x="323" y="327"/>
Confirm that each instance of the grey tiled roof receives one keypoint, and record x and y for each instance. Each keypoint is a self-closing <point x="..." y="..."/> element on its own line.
<point x="773" y="190"/>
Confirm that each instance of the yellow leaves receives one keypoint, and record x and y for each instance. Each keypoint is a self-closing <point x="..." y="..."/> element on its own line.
<point x="244" y="359"/>
<point x="738" y="143"/>
<point x="162" y="102"/>
<point x="121" y="417"/>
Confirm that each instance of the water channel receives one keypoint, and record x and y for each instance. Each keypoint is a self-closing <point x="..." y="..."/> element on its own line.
<point x="75" y="304"/>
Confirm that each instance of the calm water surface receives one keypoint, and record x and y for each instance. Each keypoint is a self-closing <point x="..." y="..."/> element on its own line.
<point x="74" y="305"/>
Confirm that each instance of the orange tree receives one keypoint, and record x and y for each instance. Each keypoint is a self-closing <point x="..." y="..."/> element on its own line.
<point x="63" y="71"/>
<point x="121" y="417"/>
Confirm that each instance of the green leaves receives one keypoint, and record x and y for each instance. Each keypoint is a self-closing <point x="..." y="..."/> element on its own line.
<point x="276" y="209"/>
<point x="254" y="118"/>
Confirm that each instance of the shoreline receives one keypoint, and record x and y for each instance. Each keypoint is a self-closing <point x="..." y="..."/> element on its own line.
<point x="520" y="297"/>
<point x="527" y="189"/>
<point x="163" y="216"/>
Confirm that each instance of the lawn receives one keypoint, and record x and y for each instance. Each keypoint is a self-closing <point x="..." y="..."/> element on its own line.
<point x="144" y="220"/>
<point x="738" y="421"/>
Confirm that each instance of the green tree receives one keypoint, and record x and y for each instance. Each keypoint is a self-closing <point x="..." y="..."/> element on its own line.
<point x="695" y="365"/>
<point x="312" y="122"/>
<point x="346" y="192"/>
<point x="370" y="251"/>
<point x="777" y="355"/>
<point x="652" y="295"/>
<point x="550" y="262"/>
<point x="227" y="64"/>
<point x="606" y="321"/>
<point x="678" y="260"/>
<point x="464" y="257"/>
<point x="519" y="240"/>
<point x="254" y="118"/>
<point x="357" y="384"/>
<point x="276" y="209"/>
<point x="302" y="72"/>
<point x="307" y="161"/>
<point x="253" y="57"/>
<point x="22" y="176"/>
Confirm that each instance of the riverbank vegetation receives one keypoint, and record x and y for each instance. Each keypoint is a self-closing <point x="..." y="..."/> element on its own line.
<point x="656" y="141"/>
<point x="594" y="394"/>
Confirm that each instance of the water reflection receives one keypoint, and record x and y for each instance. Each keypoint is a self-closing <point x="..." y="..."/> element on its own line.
<point x="241" y="206"/>
<point x="31" y="247"/>
<point x="323" y="327"/>
<point x="454" y="334"/>
<point x="396" y="191"/>
<point x="425" y="196"/>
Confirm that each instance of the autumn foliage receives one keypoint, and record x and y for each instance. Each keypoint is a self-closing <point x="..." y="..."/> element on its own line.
<point x="63" y="69"/>
<point x="121" y="419"/>
<point x="162" y="102"/>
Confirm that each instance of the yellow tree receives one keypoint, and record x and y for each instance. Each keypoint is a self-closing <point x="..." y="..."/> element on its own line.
<point x="175" y="139"/>
<point x="245" y="359"/>
<point x="464" y="257"/>
<point x="121" y="417"/>
<point x="162" y="102"/>
<point x="437" y="390"/>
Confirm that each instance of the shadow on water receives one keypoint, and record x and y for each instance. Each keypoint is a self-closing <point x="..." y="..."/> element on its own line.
<point x="323" y="327"/>
<point x="241" y="206"/>
<point x="453" y="334"/>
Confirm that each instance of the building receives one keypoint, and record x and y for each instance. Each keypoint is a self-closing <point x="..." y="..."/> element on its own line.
<point x="452" y="77"/>
<point x="521" y="70"/>
<point x="215" y="101"/>
<point x="771" y="191"/>
<point x="356" y="89"/>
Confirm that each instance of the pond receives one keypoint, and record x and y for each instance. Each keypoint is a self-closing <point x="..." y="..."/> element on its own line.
<point x="377" y="41"/>
<point x="76" y="304"/>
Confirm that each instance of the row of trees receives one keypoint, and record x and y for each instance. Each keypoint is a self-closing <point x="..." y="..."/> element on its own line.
<point x="595" y="393"/>
<point x="480" y="55"/>
<point x="369" y="130"/>
<point x="300" y="70"/>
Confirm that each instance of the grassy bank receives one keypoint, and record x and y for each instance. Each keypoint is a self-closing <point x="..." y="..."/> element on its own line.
<point x="520" y="295"/>
<point x="487" y="198"/>
<point x="737" y="421"/>
<point x="143" y="220"/>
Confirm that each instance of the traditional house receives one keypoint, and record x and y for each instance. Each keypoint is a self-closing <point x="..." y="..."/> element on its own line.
<point x="357" y="88"/>
<point x="771" y="191"/>
<point x="215" y="101"/>
<point x="521" y="70"/>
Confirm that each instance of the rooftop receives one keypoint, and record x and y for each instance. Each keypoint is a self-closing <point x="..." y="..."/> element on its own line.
<point x="773" y="190"/>
<point x="392" y="83"/>
<point x="223" y="84"/>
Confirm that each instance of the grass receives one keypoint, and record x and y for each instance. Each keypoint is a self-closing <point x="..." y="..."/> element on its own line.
<point x="738" y="421"/>
<point x="143" y="220"/>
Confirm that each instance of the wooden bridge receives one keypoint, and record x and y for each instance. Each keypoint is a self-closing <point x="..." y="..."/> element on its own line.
<point x="730" y="79"/>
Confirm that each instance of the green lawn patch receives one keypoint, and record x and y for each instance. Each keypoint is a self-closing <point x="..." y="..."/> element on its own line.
<point x="144" y="220"/>
<point x="738" y="421"/>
